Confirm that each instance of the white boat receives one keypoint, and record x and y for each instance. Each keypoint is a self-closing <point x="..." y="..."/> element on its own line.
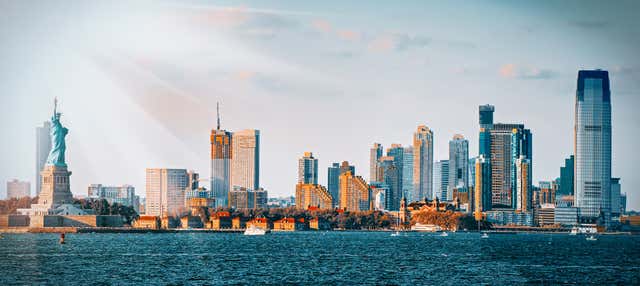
<point x="254" y="230"/>
<point x="592" y="238"/>
<point x="444" y="233"/>
<point x="426" y="227"/>
<point x="397" y="233"/>
<point x="484" y="235"/>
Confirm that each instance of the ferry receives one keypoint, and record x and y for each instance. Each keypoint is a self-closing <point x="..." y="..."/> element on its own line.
<point x="444" y="233"/>
<point x="592" y="238"/>
<point x="254" y="230"/>
<point x="397" y="233"/>
<point x="485" y="235"/>
<point x="426" y="227"/>
<point x="583" y="230"/>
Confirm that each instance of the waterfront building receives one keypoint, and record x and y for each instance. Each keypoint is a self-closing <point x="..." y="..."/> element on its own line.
<point x="441" y="180"/>
<point x="566" y="177"/>
<point x="313" y="195"/>
<point x="308" y="169"/>
<point x="616" y="207"/>
<point x="43" y="147"/>
<point x="290" y="224"/>
<point x="124" y="195"/>
<point x="458" y="166"/>
<point x="198" y="197"/>
<point x="423" y="163"/>
<point x="510" y="217"/>
<point x="245" y="165"/>
<point x="565" y="216"/>
<point x="260" y="222"/>
<point x="243" y="199"/>
<point x="355" y="193"/>
<point x="592" y="147"/>
<point x="334" y="172"/>
<point x="18" y="189"/>
<point x="523" y="184"/>
<point x="319" y="224"/>
<point x="374" y="155"/>
<point x="220" y="183"/>
<point x="389" y="172"/>
<point x="545" y="215"/>
<point x="407" y="173"/>
<point x="482" y="197"/>
<point x="165" y="190"/>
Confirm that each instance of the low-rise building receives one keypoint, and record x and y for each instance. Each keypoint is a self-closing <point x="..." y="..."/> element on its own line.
<point x="191" y="222"/>
<point x="319" y="224"/>
<point x="545" y="215"/>
<point x="289" y="224"/>
<point x="18" y="189"/>
<point x="260" y="222"/>
<point x="238" y="223"/>
<point x="565" y="216"/>
<point x="147" y="221"/>
<point x="510" y="217"/>
<point x="220" y="220"/>
<point x="124" y="195"/>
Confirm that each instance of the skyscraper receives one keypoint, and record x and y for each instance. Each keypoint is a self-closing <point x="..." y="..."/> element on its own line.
<point x="165" y="190"/>
<point x="355" y="193"/>
<point x="245" y="165"/>
<point x="508" y="142"/>
<point x="220" y="163"/>
<point x="407" y="174"/>
<point x="374" y="154"/>
<point x="486" y="124"/>
<point x="592" y="146"/>
<point x="440" y="179"/>
<point x="482" y="198"/>
<point x="616" y="206"/>
<point x="308" y="169"/>
<point x="566" y="177"/>
<point x="43" y="147"/>
<point x="472" y="172"/>
<point x="458" y="165"/>
<point x="389" y="173"/>
<point x="423" y="162"/>
<point x="396" y="151"/>
<point x="523" y="184"/>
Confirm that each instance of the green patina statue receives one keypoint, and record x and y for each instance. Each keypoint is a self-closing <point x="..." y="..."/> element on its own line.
<point x="58" y="146"/>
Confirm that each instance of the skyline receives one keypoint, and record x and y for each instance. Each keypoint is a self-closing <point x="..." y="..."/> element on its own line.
<point x="132" y="121"/>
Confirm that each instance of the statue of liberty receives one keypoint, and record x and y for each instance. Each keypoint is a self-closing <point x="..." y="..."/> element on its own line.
<point x="58" y="146"/>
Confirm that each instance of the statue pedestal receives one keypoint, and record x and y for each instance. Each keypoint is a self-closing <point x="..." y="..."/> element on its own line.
<point x="55" y="187"/>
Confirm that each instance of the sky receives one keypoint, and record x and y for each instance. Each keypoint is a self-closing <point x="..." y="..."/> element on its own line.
<point x="138" y="81"/>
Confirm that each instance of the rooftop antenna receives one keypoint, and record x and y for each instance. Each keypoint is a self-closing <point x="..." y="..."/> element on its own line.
<point x="218" y="113"/>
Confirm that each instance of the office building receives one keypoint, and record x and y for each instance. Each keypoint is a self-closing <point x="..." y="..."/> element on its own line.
<point x="616" y="206"/>
<point x="458" y="166"/>
<point x="308" y="169"/>
<point x="407" y="174"/>
<point x="566" y="178"/>
<point x="220" y="163"/>
<point x="379" y="193"/>
<point x="523" y="184"/>
<point x="165" y="190"/>
<point x="396" y="151"/>
<point x="423" y="163"/>
<point x="440" y="179"/>
<point x="592" y="147"/>
<point x="244" y="199"/>
<point x="374" y="154"/>
<point x="508" y="142"/>
<point x="391" y="177"/>
<point x="482" y="196"/>
<point x="472" y="172"/>
<point x="43" y="147"/>
<point x="18" y="189"/>
<point x="546" y="193"/>
<point x="124" y="195"/>
<point x="355" y="193"/>
<point x="245" y="165"/>
<point x="313" y="195"/>
<point x="486" y="124"/>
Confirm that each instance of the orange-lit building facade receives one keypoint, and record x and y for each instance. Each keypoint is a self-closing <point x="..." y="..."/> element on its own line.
<point x="354" y="193"/>
<point x="313" y="195"/>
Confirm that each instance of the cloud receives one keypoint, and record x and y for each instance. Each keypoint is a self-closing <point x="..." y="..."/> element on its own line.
<point x="524" y="72"/>
<point x="398" y="42"/>
<point x="349" y="35"/>
<point x="589" y="24"/>
<point x="321" y="26"/>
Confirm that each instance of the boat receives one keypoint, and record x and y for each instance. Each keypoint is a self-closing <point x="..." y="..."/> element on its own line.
<point x="426" y="227"/>
<point x="591" y="238"/>
<point x="444" y="233"/>
<point x="397" y="233"/>
<point x="254" y="230"/>
<point x="62" y="238"/>
<point x="485" y="235"/>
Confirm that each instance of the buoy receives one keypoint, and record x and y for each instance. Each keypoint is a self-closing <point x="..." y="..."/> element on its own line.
<point x="62" y="238"/>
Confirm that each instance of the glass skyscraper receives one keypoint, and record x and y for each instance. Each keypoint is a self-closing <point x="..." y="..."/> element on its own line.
<point x="374" y="154"/>
<point x="592" y="147"/>
<point x="566" y="178"/>
<point x="423" y="163"/>
<point x="458" y="166"/>
<point x="43" y="146"/>
<point x="407" y="174"/>
<point x="440" y="179"/>
<point x="333" y="182"/>
<point x="308" y="169"/>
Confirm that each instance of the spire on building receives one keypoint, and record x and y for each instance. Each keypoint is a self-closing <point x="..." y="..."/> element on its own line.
<point x="218" y="114"/>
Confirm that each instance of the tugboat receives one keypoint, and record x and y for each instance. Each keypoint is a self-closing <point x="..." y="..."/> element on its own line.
<point x="254" y="230"/>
